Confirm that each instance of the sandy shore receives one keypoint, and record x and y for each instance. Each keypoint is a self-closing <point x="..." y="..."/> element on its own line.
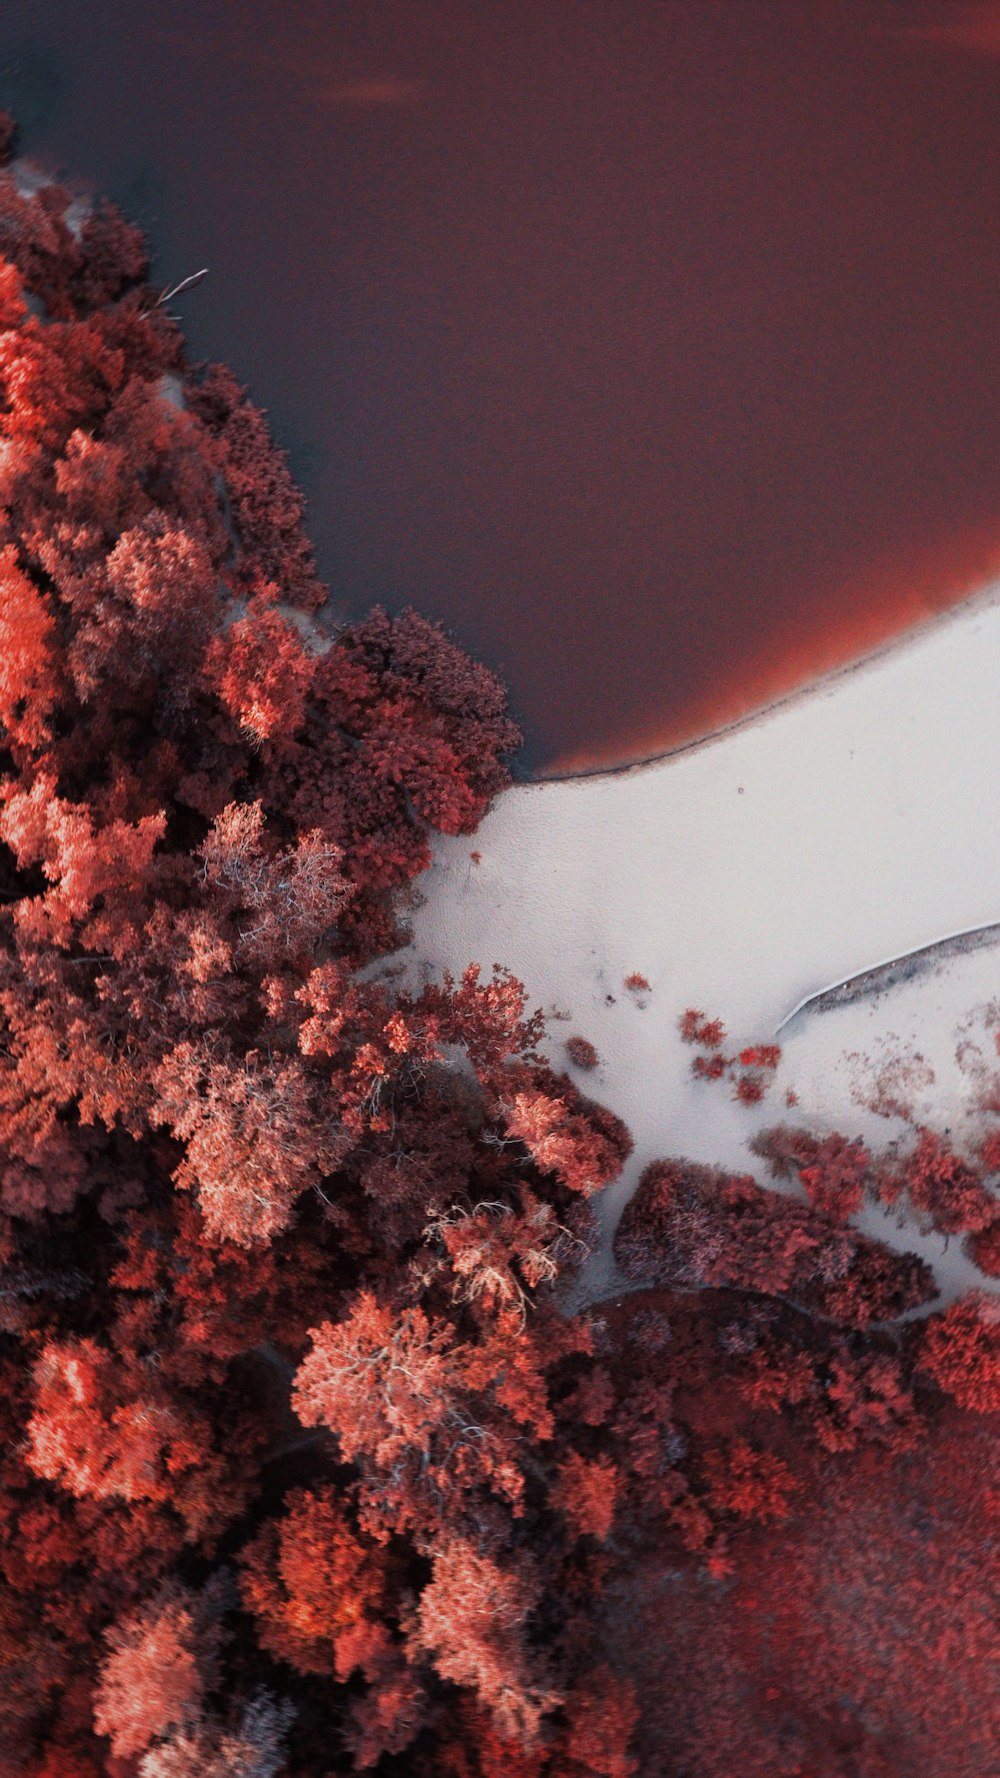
<point x="857" y="820"/>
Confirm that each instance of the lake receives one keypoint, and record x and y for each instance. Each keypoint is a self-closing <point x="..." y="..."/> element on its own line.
<point x="652" y="347"/>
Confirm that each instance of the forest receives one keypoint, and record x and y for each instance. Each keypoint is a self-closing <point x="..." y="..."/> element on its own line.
<point x="305" y="1470"/>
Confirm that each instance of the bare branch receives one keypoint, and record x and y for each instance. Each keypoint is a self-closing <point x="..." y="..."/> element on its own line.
<point x="168" y="295"/>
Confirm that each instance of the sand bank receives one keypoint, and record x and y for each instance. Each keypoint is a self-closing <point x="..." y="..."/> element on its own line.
<point x="855" y="822"/>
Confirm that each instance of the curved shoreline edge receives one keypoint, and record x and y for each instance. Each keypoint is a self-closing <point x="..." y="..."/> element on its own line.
<point x="983" y="599"/>
<point x="738" y="873"/>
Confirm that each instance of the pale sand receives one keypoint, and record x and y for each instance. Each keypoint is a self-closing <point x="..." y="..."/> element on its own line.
<point x="852" y="823"/>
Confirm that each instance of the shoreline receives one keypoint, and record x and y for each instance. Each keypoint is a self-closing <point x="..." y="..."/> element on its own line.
<point x="984" y="598"/>
<point x="741" y="873"/>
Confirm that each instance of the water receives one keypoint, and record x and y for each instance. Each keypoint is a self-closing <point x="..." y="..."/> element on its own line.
<point x="651" y="347"/>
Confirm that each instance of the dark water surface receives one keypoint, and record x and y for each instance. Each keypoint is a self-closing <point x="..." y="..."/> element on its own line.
<point x="652" y="346"/>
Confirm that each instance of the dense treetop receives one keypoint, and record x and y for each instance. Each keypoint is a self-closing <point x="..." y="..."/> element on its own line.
<point x="304" y="1471"/>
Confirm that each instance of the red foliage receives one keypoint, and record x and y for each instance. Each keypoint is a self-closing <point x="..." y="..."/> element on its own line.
<point x="834" y="1171"/>
<point x="748" y="1484"/>
<point x="989" y="1153"/>
<point x="603" y="1712"/>
<point x="216" y="1132"/>
<point x="585" y="1494"/>
<point x="260" y="671"/>
<point x="941" y="1187"/>
<point x="848" y="1638"/>
<point x="154" y="1678"/>
<point x="305" y="1468"/>
<point x="581" y="1052"/>
<point x="316" y="1589"/>
<point x="983" y="1249"/>
<point x="694" y="1027"/>
<point x="108" y="1430"/>
<point x="698" y="1226"/>
<point x="711" y="1067"/>
<point x="451" y="1419"/>
<point x="28" y="683"/>
<point x="961" y="1351"/>
<point x="944" y="1190"/>
<point x="581" y="1144"/>
<point x="472" y="1622"/>
<point x="791" y="1643"/>
<point x="266" y="506"/>
<point x="751" y="1070"/>
<point x="760" y="1055"/>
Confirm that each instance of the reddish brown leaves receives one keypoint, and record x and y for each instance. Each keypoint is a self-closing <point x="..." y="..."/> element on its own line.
<point x="447" y="1418"/>
<point x="255" y="1138"/>
<point x="386" y="1382"/>
<point x="316" y="1589"/>
<point x="940" y="1186"/>
<point x="699" y="1226"/>
<point x="472" y="1620"/>
<point x="261" y="671"/>
<point x="216" y="1130"/>
<point x="748" y="1484"/>
<point x="27" y="664"/>
<point x="220" y="1128"/>
<point x="637" y="984"/>
<point x="585" y="1493"/>
<point x="109" y="1429"/>
<point x="153" y="1680"/>
<point x="835" y="1172"/>
<point x="961" y="1351"/>
<point x="694" y="1027"/>
<point x="751" y="1070"/>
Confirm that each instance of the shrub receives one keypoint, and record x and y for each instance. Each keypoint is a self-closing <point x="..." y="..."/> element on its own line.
<point x="581" y="1052"/>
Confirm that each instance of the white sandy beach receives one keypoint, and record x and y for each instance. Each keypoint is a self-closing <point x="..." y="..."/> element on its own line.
<point x="853" y="823"/>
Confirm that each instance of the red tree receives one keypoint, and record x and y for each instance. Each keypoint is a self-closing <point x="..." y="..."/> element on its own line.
<point x="305" y="1468"/>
